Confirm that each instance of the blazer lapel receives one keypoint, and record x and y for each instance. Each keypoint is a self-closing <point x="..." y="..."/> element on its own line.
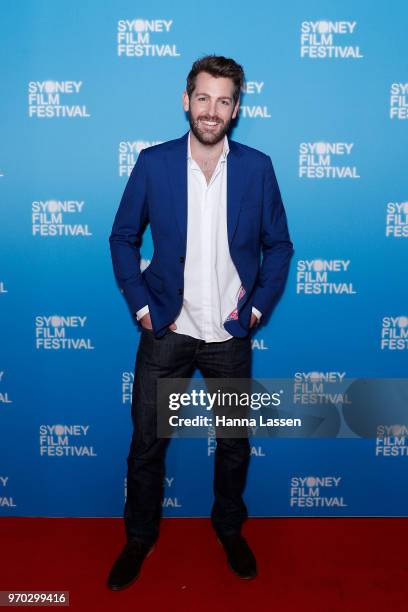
<point x="235" y="187"/>
<point x="177" y="167"/>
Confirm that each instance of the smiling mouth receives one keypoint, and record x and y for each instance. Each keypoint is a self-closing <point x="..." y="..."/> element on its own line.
<point x="210" y="124"/>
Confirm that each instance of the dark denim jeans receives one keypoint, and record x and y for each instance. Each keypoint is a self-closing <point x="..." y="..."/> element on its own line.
<point x="176" y="356"/>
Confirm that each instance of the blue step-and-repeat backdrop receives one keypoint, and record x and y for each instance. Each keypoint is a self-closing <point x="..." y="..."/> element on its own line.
<point x="86" y="86"/>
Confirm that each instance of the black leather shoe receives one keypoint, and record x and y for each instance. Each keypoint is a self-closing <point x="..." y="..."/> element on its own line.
<point x="240" y="557"/>
<point x="127" y="566"/>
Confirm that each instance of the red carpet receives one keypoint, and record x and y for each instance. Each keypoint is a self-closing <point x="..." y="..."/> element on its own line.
<point x="312" y="564"/>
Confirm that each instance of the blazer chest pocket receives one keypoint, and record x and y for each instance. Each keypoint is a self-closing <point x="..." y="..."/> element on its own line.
<point x="152" y="280"/>
<point x="251" y="217"/>
<point x="247" y="204"/>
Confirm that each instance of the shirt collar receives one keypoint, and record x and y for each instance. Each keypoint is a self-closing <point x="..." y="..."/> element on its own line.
<point x="223" y="154"/>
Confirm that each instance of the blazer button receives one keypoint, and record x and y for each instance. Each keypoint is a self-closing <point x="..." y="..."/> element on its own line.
<point x="182" y="259"/>
<point x="180" y="291"/>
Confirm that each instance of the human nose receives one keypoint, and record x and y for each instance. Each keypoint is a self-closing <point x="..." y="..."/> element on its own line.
<point x="212" y="109"/>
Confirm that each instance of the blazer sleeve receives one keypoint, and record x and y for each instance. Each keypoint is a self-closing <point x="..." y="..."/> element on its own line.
<point x="126" y="236"/>
<point x="277" y="249"/>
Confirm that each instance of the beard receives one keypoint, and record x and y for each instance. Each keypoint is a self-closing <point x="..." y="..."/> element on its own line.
<point x="208" y="136"/>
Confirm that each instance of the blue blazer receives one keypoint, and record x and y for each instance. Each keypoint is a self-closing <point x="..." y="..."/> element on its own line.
<point x="156" y="192"/>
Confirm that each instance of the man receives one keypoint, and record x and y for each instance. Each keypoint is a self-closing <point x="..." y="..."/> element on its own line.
<point x="213" y="206"/>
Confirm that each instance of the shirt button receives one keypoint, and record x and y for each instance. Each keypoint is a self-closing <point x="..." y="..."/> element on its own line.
<point x="182" y="259"/>
<point x="180" y="291"/>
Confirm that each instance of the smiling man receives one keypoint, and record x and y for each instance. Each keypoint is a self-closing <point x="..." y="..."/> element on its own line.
<point x="214" y="208"/>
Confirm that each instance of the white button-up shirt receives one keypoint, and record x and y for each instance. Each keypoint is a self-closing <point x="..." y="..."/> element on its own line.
<point x="211" y="281"/>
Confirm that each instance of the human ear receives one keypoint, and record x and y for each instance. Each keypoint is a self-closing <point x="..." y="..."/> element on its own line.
<point x="186" y="101"/>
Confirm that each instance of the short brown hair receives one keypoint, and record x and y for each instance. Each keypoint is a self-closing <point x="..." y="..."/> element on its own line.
<point x="217" y="66"/>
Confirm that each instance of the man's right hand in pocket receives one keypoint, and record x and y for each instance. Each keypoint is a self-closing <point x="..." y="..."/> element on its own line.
<point x="146" y="322"/>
